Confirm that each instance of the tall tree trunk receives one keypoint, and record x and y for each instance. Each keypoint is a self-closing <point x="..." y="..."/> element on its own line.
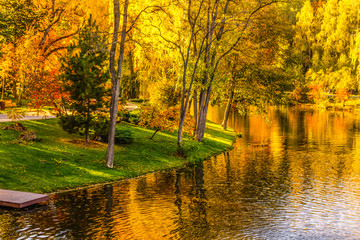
<point x="195" y="109"/>
<point x="211" y="62"/>
<point x="3" y="89"/>
<point x="87" y="125"/>
<point x="87" y="134"/>
<point x="204" y="104"/>
<point x="14" y="89"/>
<point x="21" y="91"/>
<point x="201" y="109"/>
<point x="200" y="130"/>
<point x="133" y="83"/>
<point x="228" y="107"/>
<point x="190" y="102"/>
<point x="180" y="130"/>
<point x="186" y="94"/>
<point x="115" y="78"/>
<point x="14" y="73"/>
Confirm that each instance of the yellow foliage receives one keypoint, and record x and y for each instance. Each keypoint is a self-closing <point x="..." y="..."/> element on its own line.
<point x="165" y="119"/>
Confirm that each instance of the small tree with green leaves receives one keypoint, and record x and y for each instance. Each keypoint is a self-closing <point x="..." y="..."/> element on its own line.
<point x="84" y="77"/>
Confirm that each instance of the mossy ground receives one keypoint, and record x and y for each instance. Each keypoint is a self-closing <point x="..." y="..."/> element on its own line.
<point x="63" y="161"/>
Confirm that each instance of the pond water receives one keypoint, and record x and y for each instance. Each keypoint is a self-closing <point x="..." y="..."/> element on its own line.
<point x="297" y="177"/>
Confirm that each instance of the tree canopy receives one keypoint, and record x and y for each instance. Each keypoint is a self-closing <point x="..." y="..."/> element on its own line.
<point x="177" y="53"/>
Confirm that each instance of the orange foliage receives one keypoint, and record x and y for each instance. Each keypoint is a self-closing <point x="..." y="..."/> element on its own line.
<point x="315" y="92"/>
<point x="297" y="93"/>
<point x="342" y="95"/>
<point x="45" y="91"/>
<point x="165" y="119"/>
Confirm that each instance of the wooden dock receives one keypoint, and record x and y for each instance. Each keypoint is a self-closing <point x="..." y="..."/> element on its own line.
<point x="17" y="199"/>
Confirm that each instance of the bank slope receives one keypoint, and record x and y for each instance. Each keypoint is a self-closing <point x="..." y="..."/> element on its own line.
<point x="63" y="161"/>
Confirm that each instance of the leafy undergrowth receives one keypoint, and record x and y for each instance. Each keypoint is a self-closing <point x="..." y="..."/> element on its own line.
<point x="59" y="160"/>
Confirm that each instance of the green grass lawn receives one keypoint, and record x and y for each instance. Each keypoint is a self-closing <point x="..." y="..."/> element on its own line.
<point x="63" y="161"/>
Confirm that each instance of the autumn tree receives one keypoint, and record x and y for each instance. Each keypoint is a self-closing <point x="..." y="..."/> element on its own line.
<point x="38" y="32"/>
<point x="16" y="19"/>
<point x="213" y="31"/>
<point x="84" y="77"/>
<point x="116" y="74"/>
<point x="163" y="119"/>
<point x="327" y="42"/>
<point x="116" y="64"/>
<point x="255" y="70"/>
<point x="61" y="23"/>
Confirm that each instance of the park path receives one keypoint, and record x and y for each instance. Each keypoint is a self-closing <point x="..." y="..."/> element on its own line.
<point x="33" y="115"/>
<point x="130" y="106"/>
<point x="28" y="116"/>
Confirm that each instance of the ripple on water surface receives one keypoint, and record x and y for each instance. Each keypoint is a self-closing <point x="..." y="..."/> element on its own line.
<point x="298" y="178"/>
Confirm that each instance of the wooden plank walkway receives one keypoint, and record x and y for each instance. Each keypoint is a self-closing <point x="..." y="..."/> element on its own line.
<point x="17" y="199"/>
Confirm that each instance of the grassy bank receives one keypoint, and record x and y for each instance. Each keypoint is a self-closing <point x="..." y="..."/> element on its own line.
<point x="63" y="161"/>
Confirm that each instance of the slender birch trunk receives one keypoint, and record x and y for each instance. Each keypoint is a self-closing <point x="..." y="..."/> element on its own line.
<point x="211" y="62"/>
<point x="227" y="111"/>
<point x="195" y="109"/>
<point x="115" y="77"/>
<point x="186" y="93"/>
<point x="200" y="131"/>
<point x="87" y="125"/>
<point x="3" y="89"/>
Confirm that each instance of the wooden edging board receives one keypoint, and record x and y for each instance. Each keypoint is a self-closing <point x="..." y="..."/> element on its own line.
<point x="18" y="199"/>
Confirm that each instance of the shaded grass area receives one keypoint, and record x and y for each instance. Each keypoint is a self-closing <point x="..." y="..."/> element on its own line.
<point x="63" y="161"/>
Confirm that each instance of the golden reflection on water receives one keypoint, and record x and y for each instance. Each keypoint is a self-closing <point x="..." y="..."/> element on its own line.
<point x="316" y="152"/>
<point x="296" y="178"/>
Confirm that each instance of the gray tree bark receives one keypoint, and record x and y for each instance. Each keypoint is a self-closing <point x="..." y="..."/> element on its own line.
<point x="211" y="62"/>
<point x="115" y="77"/>
<point x="186" y="93"/>
<point x="195" y="109"/>
<point x="227" y="111"/>
<point x="204" y="105"/>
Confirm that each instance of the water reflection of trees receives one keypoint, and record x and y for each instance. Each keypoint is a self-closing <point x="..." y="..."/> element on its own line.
<point x="192" y="203"/>
<point x="312" y="153"/>
<point x="8" y="227"/>
<point x="275" y="176"/>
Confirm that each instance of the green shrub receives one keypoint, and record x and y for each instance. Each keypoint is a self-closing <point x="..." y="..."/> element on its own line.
<point x="123" y="136"/>
<point x="101" y="126"/>
<point x="124" y="115"/>
<point x="134" y="119"/>
<point x="129" y="117"/>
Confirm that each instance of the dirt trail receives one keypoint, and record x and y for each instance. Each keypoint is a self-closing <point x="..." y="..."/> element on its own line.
<point x="33" y="116"/>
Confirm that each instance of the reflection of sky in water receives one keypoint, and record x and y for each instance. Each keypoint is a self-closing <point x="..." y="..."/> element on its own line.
<point x="297" y="178"/>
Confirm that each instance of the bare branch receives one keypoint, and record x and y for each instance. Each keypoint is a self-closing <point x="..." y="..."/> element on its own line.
<point x="50" y="26"/>
<point x="114" y="40"/>
<point x="54" y="50"/>
<point x="59" y="39"/>
<point x="171" y="42"/>
<point x="141" y="12"/>
<point x="261" y="6"/>
<point x="221" y="31"/>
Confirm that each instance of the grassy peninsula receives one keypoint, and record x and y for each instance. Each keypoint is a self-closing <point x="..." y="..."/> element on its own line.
<point x="63" y="161"/>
